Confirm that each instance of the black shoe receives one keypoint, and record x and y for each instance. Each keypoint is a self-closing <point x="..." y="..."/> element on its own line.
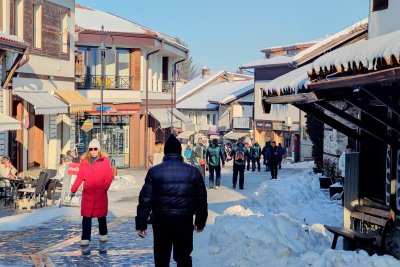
<point x="241" y="188"/>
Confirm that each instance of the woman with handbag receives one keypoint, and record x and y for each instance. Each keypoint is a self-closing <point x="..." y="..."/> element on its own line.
<point x="96" y="174"/>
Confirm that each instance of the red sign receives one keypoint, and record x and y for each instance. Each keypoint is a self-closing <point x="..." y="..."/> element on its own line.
<point x="73" y="168"/>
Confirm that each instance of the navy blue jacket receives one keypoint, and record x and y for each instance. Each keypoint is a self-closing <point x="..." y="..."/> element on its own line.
<point x="172" y="189"/>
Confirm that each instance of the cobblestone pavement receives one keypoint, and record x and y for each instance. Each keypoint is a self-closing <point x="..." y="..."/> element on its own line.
<point x="56" y="243"/>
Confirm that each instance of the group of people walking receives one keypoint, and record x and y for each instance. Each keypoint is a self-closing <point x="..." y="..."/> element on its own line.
<point x="173" y="193"/>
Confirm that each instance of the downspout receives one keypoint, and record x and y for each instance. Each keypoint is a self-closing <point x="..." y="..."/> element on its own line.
<point x="173" y="95"/>
<point x="146" y="122"/>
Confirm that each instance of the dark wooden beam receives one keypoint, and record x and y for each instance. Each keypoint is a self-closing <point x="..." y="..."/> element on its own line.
<point x="364" y="107"/>
<point x="360" y="124"/>
<point x="375" y="77"/>
<point x="382" y="100"/>
<point x="322" y="117"/>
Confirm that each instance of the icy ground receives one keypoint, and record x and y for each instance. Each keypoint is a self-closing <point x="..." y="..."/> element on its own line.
<point x="269" y="223"/>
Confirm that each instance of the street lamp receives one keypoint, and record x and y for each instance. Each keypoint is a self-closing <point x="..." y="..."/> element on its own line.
<point x="103" y="50"/>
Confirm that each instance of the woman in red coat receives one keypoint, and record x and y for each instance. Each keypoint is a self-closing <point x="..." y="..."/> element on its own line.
<point x="96" y="174"/>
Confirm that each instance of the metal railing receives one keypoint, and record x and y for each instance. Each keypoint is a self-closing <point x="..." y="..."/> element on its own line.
<point x="166" y="87"/>
<point x="111" y="82"/>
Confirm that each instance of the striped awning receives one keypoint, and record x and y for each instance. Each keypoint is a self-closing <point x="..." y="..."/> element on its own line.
<point x="42" y="101"/>
<point x="76" y="102"/>
<point x="8" y="124"/>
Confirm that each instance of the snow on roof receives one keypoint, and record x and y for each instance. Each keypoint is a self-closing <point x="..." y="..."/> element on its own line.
<point x="12" y="39"/>
<point x="293" y="81"/>
<point x="268" y="62"/>
<point x="91" y="20"/>
<point x="231" y="91"/>
<point x="216" y="94"/>
<point x="195" y="84"/>
<point x="365" y="54"/>
<point x="283" y="47"/>
<point x="359" y="26"/>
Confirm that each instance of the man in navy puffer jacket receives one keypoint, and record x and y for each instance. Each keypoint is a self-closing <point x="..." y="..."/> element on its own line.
<point x="174" y="192"/>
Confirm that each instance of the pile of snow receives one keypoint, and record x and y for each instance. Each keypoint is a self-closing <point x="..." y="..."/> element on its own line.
<point x="281" y="224"/>
<point x="122" y="183"/>
<point x="35" y="218"/>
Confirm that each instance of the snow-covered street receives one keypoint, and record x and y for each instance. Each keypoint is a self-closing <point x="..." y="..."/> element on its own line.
<point x="269" y="223"/>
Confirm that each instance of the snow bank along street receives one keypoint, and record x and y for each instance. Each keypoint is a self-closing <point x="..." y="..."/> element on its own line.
<point x="269" y="223"/>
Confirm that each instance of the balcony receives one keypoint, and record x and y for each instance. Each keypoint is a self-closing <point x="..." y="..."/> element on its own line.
<point x="242" y="123"/>
<point x="167" y="87"/>
<point x="111" y="82"/>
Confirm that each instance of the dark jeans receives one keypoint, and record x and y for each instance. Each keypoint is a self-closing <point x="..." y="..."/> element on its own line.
<point x="274" y="170"/>
<point x="173" y="232"/>
<point x="202" y="169"/>
<point x="248" y="163"/>
<point x="52" y="184"/>
<point x="280" y="164"/>
<point x="253" y="163"/>
<point x="87" y="227"/>
<point x="217" y="170"/>
<point x="238" y="169"/>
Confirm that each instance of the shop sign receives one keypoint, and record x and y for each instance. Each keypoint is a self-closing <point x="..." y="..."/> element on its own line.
<point x="107" y="109"/>
<point x="263" y="125"/>
<point x="73" y="168"/>
<point x="87" y="125"/>
<point x="277" y="126"/>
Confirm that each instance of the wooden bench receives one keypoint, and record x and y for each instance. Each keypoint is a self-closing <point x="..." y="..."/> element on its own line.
<point x="373" y="226"/>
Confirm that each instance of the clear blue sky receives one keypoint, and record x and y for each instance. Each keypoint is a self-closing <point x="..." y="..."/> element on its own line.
<point x="224" y="34"/>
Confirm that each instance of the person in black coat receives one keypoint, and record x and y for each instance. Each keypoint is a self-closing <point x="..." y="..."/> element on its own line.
<point x="265" y="153"/>
<point x="174" y="192"/>
<point x="273" y="160"/>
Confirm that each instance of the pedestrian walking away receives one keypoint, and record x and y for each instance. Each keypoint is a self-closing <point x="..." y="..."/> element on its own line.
<point x="198" y="158"/>
<point x="188" y="152"/>
<point x="248" y="158"/>
<point x="239" y="154"/>
<point x="273" y="160"/>
<point x="215" y="157"/>
<point x="265" y="153"/>
<point x="280" y="155"/>
<point x="96" y="174"/>
<point x="173" y="192"/>
<point x="255" y="154"/>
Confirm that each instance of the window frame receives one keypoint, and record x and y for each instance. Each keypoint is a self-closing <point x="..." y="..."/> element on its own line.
<point x="378" y="5"/>
<point x="37" y="34"/>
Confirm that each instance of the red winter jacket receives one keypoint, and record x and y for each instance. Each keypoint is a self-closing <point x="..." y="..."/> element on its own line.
<point x="97" y="179"/>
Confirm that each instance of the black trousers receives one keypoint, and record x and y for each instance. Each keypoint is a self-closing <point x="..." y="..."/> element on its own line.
<point x="176" y="233"/>
<point x="238" y="169"/>
<point x="253" y="163"/>
<point x="217" y="170"/>
<point x="87" y="227"/>
<point x="274" y="170"/>
<point x="248" y="163"/>
<point x="202" y="169"/>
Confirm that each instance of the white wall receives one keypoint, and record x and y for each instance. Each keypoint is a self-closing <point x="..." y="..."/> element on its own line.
<point x="384" y="21"/>
<point x="224" y="118"/>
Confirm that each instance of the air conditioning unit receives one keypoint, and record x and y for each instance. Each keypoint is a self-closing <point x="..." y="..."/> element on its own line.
<point x="288" y="122"/>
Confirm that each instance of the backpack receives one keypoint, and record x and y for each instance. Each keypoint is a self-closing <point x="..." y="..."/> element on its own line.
<point x="239" y="155"/>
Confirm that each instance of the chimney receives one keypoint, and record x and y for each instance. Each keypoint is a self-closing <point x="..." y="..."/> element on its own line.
<point x="205" y="72"/>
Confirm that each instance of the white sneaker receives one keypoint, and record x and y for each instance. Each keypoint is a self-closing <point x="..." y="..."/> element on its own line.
<point x="84" y="242"/>
<point x="217" y="187"/>
<point x="103" y="238"/>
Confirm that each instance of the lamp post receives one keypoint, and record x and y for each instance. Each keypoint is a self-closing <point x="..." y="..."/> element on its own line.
<point x="173" y="94"/>
<point x="103" y="50"/>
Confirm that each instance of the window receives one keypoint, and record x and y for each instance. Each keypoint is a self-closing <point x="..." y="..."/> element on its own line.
<point x="64" y="33"/>
<point x="37" y="25"/>
<point x="165" y="68"/>
<point x="214" y="119"/>
<point x="380" y="5"/>
<point x="208" y="119"/>
<point x="19" y="18"/>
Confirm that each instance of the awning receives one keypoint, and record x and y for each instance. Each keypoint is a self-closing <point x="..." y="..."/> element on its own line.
<point x="43" y="102"/>
<point x="8" y="124"/>
<point x="185" y="134"/>
<point x="76" y="102"/>
<point x="163" y="116"/>
<point x="235" y="136"/>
